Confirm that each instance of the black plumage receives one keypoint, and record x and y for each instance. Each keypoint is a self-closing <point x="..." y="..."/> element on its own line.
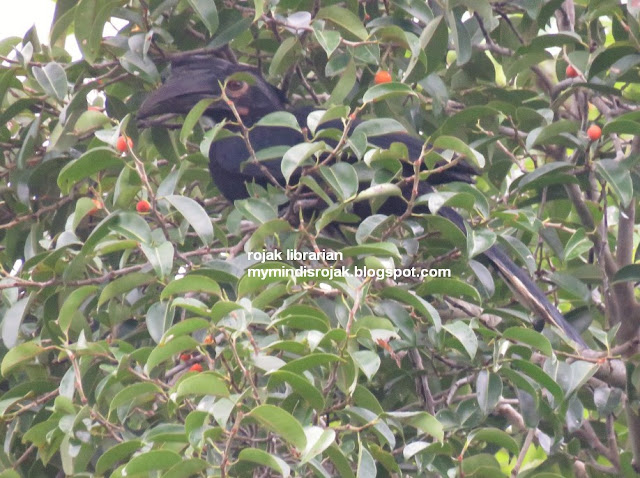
<point x="197" y="77"/>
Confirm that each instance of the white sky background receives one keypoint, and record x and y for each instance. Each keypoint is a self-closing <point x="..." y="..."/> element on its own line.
<point x="17" y="17"/>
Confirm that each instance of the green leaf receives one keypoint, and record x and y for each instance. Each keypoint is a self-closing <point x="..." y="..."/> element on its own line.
<point x="280" y="422"/>
<point x="318" y="440"/>
<point x="367" y="361"/>
<point x="132" y="226"/>
<point x="496" y="436"/>
<point x="296" y="155"/>
<point x="190" y="284"/>
<point x="465" y="335"/>
<point x="378" y="191"/>
<point x="89" y="19"/>
<point x="205" y="383"/>
<point x="158" y="319"/>
<point x="72" y="303"/>
<point x="160" y="257"/>
<point x="301" y="364"/>
<point x="29" y="143"/>
<point x="450" y="287"/>
<point x="621" y="126"/>
<point x="186" y="468"/>
<point x="420" y="305"/>
<point x="488" y="391"/>
<point x="618" y="177"/>
<point x="90" y="163"/>
<point x="342" y="178"/>
<point x="166" y="350"/>
<point x="366" y="464"/>
<point x="208" y="13"/>
<point x="628" y="273"/>
<point x="460" y="36"/>
<point x="529" y="337"/>
<point x="192" y="118"/>
<point x="257" y="210"/>
<point x="329" y="40"/>
<point x="543" y="175"/>
<point x="117" y="453"/>
<point x="422" y="421"/>
<point x="577" y="245"/>
<point x="454" y="144"/>
<point x="195" y="215"/>
<point x="18" y="355"/>
<point x="386" y="91"/>
<point x="572" y="285"/>
<point x="344" y="86"/>
<point x="53" y="80"/>
<point x="261" y="457"/>
<point x="540" y="377"/>
<point x="282" y="119"/>
<point x="425" y="37"/>
<point x="285" y="56"/>
<point x="12" y="321"/>
<point x="124" y="284"/>
<point x="301" y="385"/>
<point x="548" y="134"/>
<point x="151" y="461"/>
<point x="344" y="18"/>
<point x="134" y="394"/>
<point x="379" y="127"/>
<point x="184" y="327"/>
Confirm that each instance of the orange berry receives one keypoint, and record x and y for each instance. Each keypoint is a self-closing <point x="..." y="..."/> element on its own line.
<point x="143" y="206"/>
<point x="594" y="132"/>
<point x="94" y="108"/>
<point x="124" y="144"/>
<point x="98" y="206"/>
<point x="571" y="72"/>
<point x="208" y="339"/>
<point x="196" y="367"/>
<point x="185" y="357"/>
<point x="382" y="77"/>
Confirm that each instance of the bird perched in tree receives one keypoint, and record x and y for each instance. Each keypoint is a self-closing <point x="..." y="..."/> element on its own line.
<point x="241" y="97"/>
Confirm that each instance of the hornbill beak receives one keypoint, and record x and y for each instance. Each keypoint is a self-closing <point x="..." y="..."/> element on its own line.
<point x="199" y="77"/>
<point x="180" y="92"/>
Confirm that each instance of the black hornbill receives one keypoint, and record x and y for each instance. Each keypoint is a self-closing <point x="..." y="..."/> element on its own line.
<point x="196" y="77"/>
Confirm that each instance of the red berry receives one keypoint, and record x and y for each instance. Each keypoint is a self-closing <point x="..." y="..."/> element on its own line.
<point x="382" y="77"/>
<point x="98" y="206"/>
<point x="594" y="132"/>
<point x="196" y="367"/>
<point x="571" y="72"/>
<point x="143" y="206"/>
<point x="185" y="357"/>
<point x="124" y="144"/>
<point x="94" y="108"/>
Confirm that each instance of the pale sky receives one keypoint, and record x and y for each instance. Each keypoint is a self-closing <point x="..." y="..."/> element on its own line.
<point x="18" y="18"/>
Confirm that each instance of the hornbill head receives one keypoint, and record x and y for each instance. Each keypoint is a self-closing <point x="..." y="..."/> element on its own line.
<point x="197" y="77"/>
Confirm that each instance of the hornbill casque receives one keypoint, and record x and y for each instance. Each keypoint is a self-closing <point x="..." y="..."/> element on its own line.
<point x="199" y="76"/>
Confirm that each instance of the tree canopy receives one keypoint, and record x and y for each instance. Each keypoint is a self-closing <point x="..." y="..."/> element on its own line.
<point x="135" y="341"/>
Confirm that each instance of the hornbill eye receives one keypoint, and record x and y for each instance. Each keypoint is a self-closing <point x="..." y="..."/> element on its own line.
<point x="236" y="88"/>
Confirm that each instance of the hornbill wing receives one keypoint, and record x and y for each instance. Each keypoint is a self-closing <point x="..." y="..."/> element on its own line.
<point x="198" y="78"/>
<point x="231" y="165"/>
